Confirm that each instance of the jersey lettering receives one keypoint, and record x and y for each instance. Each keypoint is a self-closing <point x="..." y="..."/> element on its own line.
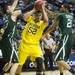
<point x="33" y="28"/>
<point x="69" y="21"/>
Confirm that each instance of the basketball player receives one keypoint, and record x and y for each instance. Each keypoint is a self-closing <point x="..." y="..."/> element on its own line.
<point x="64" y="20"/>
<point x="9" y="31"/>
<point x="37" y="21"/>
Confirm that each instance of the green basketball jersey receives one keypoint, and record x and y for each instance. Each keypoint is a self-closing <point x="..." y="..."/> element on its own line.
<point x="10" y="27"/>
<point x="65" y="22"/>
<point x="65" y="45"/>
<point x="9" y="34"/>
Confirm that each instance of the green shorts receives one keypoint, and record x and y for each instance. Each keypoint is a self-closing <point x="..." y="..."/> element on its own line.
<point x="7" y="49"/>
<point x="64" y="48"/>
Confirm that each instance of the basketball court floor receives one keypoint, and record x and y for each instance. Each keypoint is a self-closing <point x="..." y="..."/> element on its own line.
<point x="56" y="72"/>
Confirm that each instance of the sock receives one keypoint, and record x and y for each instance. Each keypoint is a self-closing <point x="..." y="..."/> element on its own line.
<point x="61" y="73"/>
<point x="72" y="71"/>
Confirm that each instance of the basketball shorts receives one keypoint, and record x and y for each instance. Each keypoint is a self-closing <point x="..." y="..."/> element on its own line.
<point x="28" y="50"/>
<point x="6" y="49"/>
<point x="64" y="48"/>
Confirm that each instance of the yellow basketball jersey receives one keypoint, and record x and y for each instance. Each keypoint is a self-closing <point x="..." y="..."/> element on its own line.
<point x="33" y="31"/>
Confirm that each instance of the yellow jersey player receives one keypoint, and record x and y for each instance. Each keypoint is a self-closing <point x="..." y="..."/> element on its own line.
<point x="37" y="21"/>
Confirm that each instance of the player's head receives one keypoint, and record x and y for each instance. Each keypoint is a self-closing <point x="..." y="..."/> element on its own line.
<point x="37" y="15"/>
<point x="65" y="7"/>
<point x="38" y="8"/>
<point x="38" y="5"/>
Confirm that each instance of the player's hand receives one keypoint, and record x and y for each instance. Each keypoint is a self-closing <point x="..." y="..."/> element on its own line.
<point x="16" y="13"/>
<point x="44" y="4"/>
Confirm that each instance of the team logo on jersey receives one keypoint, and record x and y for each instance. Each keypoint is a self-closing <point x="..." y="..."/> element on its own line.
<point x="33" y="28"/>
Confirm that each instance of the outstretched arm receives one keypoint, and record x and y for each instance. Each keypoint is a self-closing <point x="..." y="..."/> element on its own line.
<point x="44" y="13"/>
<point x="13" y="6"/>
<point x="51" y="13"/>
<point x="52" y="27"/>
<point x="28" y="14"/>
<point x="14" y="13"/>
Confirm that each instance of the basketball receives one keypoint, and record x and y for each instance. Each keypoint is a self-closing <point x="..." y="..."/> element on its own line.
<point x="38" y="5"/>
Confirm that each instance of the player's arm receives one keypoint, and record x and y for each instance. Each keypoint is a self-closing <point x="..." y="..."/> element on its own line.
<point x="28" y="14"/>
<point x="13" y="13"/>
<point x="45" y="17"/>
<point x="13" y="6"/>
<point x="52" y="27"/>
<point x="55" y="24"/>
<point x="51" y="13"/>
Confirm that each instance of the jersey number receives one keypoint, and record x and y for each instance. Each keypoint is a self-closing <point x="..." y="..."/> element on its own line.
<point x="69" y="23"/>
<point x="32" y="30"/>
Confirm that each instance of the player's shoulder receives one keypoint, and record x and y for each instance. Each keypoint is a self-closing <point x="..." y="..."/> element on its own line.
<point x="61" y="14"/>
<point x="28" y="19"/>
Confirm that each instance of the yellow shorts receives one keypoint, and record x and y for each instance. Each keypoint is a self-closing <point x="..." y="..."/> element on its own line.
<point x="26" y="50"/>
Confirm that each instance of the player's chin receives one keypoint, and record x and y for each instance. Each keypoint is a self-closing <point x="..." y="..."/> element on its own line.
<point x="38" y="10"/>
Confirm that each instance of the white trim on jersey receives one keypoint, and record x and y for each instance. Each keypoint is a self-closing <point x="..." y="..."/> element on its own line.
<point x="13" y="51"/>
<point x="63" y="47"/>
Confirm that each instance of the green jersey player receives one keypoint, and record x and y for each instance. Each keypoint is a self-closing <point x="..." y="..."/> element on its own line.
<point x="6" y="43"/>
<point x="64" y="20"/>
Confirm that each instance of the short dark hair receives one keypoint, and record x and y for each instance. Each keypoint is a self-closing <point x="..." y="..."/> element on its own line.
<point x="66" y="5"/>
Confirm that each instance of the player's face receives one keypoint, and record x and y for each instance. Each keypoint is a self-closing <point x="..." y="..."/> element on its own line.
<point x="37" y="16"/>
